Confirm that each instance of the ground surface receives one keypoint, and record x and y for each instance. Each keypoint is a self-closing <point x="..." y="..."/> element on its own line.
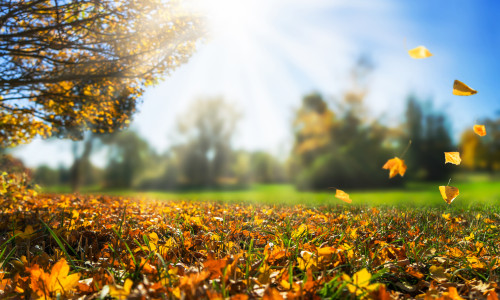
<point x="91" y="246"/>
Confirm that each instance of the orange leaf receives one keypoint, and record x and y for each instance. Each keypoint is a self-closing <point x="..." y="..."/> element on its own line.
<point x="461" y="89"/>
<point x="452" y="157"/>
<point x="419" y="52"/>
<point x="492" y="295"/>
<point x="480" y="130"/>
<point x="396" y="166"/>
<point x="271" y="294"/>
<point x="343" y="196"/>
<point x="449" y="193"/>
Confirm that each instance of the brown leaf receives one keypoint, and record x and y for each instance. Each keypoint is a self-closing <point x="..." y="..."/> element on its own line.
<point x="449" y="193"/>
<point x="461" y="89"/>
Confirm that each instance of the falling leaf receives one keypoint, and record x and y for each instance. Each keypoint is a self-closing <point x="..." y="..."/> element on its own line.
<point x="452" y="157"/>
<point x="449" y="193"/>
<point x="343" y="196"/>
<point x="419" y="52"/>
<point x="396" y="166"/>
<point x="480" y="130"/>
<point x="461" y="89"/>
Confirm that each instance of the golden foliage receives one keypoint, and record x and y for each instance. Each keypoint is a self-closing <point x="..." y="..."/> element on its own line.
<point x="395" y="166"/>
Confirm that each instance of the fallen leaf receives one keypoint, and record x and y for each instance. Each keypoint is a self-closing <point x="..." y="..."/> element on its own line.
<point x="419" y="52"/>
<point x="452" y="157"/>
<point x="480" y="130"/>
<point x="342" y="196"/>
<point x="396" y="166"/>
<point x="449" y="193"/>
<point x="461" y="89"/>
<point x="272" y="294"/>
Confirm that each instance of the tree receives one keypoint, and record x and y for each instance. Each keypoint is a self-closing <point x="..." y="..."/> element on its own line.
<point x="128" y="155"/>
<point x="205" y="153"/>
<point x="68" y="66"/>
<point x="341" y="149"/>
<point x="429" y="132"/>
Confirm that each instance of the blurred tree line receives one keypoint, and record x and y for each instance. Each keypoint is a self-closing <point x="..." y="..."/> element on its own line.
<point x="202" y="157"/>
<point x="337" y="143"/>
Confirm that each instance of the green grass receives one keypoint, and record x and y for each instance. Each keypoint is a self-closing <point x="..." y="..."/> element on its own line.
<point x="472" y="194"/>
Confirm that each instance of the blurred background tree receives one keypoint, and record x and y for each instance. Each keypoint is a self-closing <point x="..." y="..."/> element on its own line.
<point x="205" y="152"/>
<point x="482" y="153"/>
<point x="429" y="132"/>
<point x="342" y="148"/>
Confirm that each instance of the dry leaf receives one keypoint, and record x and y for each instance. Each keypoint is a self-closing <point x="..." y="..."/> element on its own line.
<point x="461" y="89"/>
<point x="480" y="130"/>
<point x="343" y="196"/>
<point x="396" y="166"/>
<point x="419" y="52"/>
<point x="449" y="193"/>
<point x="452" y="158"/>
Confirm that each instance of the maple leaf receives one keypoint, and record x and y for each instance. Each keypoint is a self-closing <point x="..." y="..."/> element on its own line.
<point x="395" y="166"/>
<point x="360" y="283"/>
<point x="342" y="196"/>
<point x="452" y="157"/>
<point x="449" y="193"/>
<point x="480" y="130"/>
<point x="461" y="89"/>
<point x="26" y="234"/>
<point x="57" y="282"/>
<point x="419" y="52"/>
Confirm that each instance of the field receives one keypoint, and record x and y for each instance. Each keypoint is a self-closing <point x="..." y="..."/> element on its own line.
<point x="94" y="246"/>
<point x="413" y="195"/>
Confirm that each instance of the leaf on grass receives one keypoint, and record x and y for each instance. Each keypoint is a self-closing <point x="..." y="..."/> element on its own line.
<point x="480" y="130"/>
<point x="342" y="196"/>
<point x="419" y="52"/>
<point x="461" y="89"/>
<point x="395" y="166"/>
<point x="449" y="193"/>
<point x="272" y="294"/>
<point x="452" y="158"/>
<point x="438" y="274"/>
<point x="119" y="292"/>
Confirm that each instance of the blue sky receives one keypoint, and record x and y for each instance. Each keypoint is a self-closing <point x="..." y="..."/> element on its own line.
<point x="265" y="54"/>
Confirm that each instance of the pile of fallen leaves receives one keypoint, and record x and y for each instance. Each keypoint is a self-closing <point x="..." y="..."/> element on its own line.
<point x="95" y="247"/>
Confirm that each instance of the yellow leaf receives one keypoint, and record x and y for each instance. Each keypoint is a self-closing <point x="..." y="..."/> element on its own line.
<point x="419" y="52"/>
<point x="480" y="130"/>
<point x="395" y="166"/>
<point x="300" y="231"/>
<point x="449" y="193"/>
<point x="59" y="281"/>
<point x="342" y="196"/>
<point x="121" y="293"/>
<point x="452" y="157"/>
<point x="461" y="89"/>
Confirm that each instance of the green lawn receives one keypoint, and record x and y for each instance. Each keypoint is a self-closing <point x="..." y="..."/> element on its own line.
<point x="475" y="194"/>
